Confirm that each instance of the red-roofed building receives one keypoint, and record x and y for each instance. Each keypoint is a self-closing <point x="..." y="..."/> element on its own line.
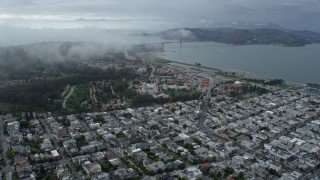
<point x="156" y="80"/>
<point x="204" y="84"/>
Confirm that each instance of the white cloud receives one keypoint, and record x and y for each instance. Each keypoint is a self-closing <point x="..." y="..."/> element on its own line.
<point x="155" y="14"/>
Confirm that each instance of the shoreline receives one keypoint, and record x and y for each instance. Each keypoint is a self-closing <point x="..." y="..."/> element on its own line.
<point x="239" y="72"/>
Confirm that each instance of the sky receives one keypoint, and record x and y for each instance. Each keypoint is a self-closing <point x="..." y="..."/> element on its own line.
<point x="73" y="18"/>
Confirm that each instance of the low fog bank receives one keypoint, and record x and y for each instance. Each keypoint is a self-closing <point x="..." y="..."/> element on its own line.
<point x="13" y="36"/>
<point x="22" y="46"/>
<point x="58" y="51"/>
<point x="50" y="59"/>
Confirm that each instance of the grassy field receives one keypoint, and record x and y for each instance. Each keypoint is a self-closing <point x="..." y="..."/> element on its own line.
<point x="79" y="95"/>
<point x="284" y="86"/>
<point x="153" y="59"/>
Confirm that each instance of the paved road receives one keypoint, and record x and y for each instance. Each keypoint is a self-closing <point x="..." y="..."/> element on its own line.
<point x="67" y="97"/>
<point x="204" y="108"/>
<point x="130" y="85"/>
<point x="152" y="72"/>
<point x="65" y="160"/>
<point x="93" y="93"/>
<point x="4" y="145"/>
<point x="112" y="91"/>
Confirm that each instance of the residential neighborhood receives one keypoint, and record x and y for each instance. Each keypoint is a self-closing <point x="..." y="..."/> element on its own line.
<point x="159" y="90"/>
<point x="272" y="135"/>
<point x="167" y="121"/>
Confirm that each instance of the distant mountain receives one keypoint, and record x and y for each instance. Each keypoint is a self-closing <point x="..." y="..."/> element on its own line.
<point x="306" y="34"/>
<point x="241" y="36"/>
<point x="262" y="25"/>
<point x="238" y="25"/>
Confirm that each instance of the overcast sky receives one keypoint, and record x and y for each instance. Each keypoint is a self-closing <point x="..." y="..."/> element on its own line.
<point x="23" y="15"/>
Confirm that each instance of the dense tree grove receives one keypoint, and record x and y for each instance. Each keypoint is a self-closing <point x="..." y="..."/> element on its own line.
<point x="40" y="95"/>
<point x="183" y="95"/>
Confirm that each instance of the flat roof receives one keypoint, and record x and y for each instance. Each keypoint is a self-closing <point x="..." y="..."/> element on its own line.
<point x="54" y="153"/>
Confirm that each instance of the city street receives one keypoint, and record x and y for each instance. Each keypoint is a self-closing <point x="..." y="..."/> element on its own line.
<point x="4" y="145"/>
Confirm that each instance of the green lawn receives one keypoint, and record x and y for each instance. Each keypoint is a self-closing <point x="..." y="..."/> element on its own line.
<point x="79" y="95"/>
<point x="153" y="59"/>
<point x="284" y="86"/>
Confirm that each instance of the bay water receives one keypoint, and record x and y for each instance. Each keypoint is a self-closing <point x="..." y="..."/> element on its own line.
<point x="293" y="64"/>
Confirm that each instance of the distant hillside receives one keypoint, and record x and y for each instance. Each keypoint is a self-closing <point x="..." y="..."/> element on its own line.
<point x="241" y="36"/>
<point x="307" y="34"/>
<point x="246" y="25"/>
<point x="263" y="25"/>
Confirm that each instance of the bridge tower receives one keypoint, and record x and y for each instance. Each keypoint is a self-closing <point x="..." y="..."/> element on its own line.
<point x="180" y="39"/>
<point x="234" y="38"/>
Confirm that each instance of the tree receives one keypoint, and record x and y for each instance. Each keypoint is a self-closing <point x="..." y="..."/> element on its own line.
<point x="181" y="166"/>
<point x="274" y="172"/>
<point x="196" y="140"/>
<point x="81" y="141"/>
<point x="10" y="154"/>
<point x="120" y="135"/>
<point x="150" y="173"/>
<point x="155" y="127"/>
<point x="120" y="86"/>
<point x="160" y="171"/>
<point x="105" y="165"/>
<point x="127" y="115"/>
<point x="211" y="159"/>
<point x="98" y="119"/>
<point x="41" y="172"/>
<point x="142" y="100"/>
<point x="24" y="124"/>
<point x="228" y="171"/>
<point x="240" y="176"/>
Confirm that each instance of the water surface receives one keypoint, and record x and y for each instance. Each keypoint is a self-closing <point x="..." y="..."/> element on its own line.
<point x="293" y="64"/>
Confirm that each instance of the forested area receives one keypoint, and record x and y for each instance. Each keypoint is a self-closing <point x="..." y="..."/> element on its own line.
<point x="41" y="95"/>
<point x="183" y="95"/>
